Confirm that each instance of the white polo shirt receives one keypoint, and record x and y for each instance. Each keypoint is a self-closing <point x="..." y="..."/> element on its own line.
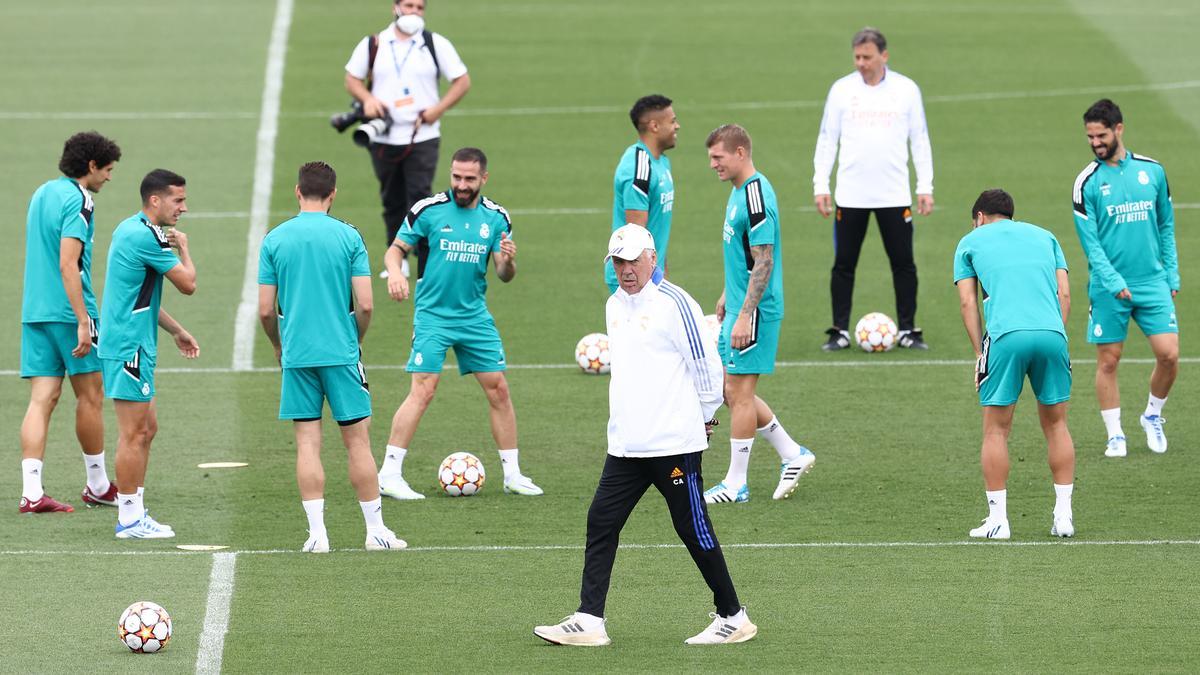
<point x="405" y="78"/>
<point x="666" y="379"/>
<point x="874" y="127"/>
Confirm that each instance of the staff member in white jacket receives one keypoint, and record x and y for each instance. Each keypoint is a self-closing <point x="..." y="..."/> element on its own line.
<point x="666" y="385"/>
<point x="874" y="114"/>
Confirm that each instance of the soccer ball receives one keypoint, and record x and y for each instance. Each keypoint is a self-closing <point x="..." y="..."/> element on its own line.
<point x="712" y="328"/>
<point x="144" y="627"/>
<point x="592" y="354"/>
<point x="461" y="474"/>
<point x="875" y="332"/>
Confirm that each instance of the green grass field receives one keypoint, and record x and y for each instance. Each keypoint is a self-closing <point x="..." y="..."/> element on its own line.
<point x="866" y="568"/>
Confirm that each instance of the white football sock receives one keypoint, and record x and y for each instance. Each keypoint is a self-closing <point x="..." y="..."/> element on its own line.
<point x="1112" y="421"/>
<point x="1062" y="498"/>
<point x="589" y="621"/>
<point x="31" y="479"/>
<point x="739" y="461"/>
<point x="373" y="513"/>
<point x="779" y="439"/>
<point x="129" y="508"/>
<point x="997" y="504"/>
<point x="737" y="620"/>
<point x="315" y="510"/>
<point x="141" y="493"/>
<point x="1155" y="405"/>
<point x="97" y="477"/>
<point x="509" y="463"/>
<point x="393" y="461"/>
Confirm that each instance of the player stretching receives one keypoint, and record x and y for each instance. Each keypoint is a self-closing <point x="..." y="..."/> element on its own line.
<point x="1126" y="223"/>
<point x="138" y="259"/>
<point x="750" y="310"/>
<point x="643" y="188"/>
<point x="312" y="264"/>
<point x="1022" y="274"/>
<point x="58" y="319"/>
<point x="464" y="230"/>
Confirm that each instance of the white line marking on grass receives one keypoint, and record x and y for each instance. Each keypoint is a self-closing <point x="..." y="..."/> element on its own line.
<point x="216" y="617"/>
<point x="260" y="204"/>
<point x="872" y="362"/>
<point x="633" y="547"/>
<point x="609" y="109"/>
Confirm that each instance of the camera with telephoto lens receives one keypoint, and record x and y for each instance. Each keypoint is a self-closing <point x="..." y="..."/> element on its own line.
<point x="371" y="131"/>
<point x="343" y="121"/>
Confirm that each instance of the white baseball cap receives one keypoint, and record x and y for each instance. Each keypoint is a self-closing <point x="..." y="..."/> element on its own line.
<point x="628" y="241"/>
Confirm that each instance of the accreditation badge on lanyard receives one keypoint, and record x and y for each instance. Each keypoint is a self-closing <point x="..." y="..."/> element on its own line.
<point x="406" y="98"/>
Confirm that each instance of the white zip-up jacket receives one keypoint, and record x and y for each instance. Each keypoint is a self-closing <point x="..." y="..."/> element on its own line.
<point x="873" y="127"/>
<point x="666" y="378"/>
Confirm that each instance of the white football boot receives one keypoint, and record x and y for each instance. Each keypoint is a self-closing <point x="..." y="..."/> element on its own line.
<point x="317" y="543"/>
<point x="397" y="488"/>
<point x="1156" y="440"/>
<point x="578" y="630"/>
<point x="144" y="528"/>
<point x="725" y="630"/>
<point x="790" y="472"/>
<point x="992" y="529"/>
<point x="1115" y="447"/>
<point x="521" y="485"/>
<point x="383" y="539"/>
<point x="1064" y="525"/>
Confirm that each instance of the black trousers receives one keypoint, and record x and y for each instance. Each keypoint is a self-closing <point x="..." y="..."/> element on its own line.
<point x="404" y="180"/>
<point x="622" y="484"/>
<point x="849" y="230"/>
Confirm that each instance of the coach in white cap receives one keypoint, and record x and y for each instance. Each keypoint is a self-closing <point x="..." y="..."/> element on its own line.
<point x="666" y="385"/>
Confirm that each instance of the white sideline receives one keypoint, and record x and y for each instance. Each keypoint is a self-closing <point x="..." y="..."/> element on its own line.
<point x="873" y="362"/>
<point x="608" y="109"/>
<point x="216" y="617"/>
<point x="629" y="547"/>
<point x="264" y="171"/>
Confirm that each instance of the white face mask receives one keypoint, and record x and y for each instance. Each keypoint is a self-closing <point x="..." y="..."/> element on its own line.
<point x="410" y="24"/>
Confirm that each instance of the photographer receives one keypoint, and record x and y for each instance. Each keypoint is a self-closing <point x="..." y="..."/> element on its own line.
<point x="394" y="76"/>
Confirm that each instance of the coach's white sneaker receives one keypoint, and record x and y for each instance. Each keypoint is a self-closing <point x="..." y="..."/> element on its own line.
<point x="1064" y="525"/>
<point x="383" y="539"/>
<point x="579" y="629"/>
<point x="1156" y="440"/>
<point x="397" y="488"/>
<point x="521" y="485"/>
<point x="1115" y="447"/>
<point x="723" y="494"/>
<point x="992" y="529"/>
<point x="790" y="472"/>
<point x="317" y="543"/>
<point x="725" y="630"/>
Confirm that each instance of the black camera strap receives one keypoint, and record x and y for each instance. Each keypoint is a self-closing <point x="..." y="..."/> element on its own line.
<point x="373" y="51"/>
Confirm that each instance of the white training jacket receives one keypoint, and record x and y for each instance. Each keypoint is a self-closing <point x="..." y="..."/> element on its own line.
<point x="667" y="380"/>
<point x="873" y="126"/>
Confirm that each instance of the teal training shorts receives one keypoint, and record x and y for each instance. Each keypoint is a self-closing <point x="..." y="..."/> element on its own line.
<point x="1039" y="354"/>
<point x="477" y="348"/>
<point x="757" y="358"/>
<point x="1152" y="307"/>
<point x="129" y="380"/>
<point x="303" y="393"/>
<point x="46" y="350"/>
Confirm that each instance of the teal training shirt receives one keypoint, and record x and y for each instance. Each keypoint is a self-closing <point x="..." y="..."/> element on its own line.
<point x="752" y="219"/>
<point x="137" y="260"/>
<point x="1016" y="265"/>
<point x="1126" y="224"/>
<point x="643" y="183"/>
<point x="451" y="286"/>
<point x="60" y="208"/>
<point x="311" y="259"/>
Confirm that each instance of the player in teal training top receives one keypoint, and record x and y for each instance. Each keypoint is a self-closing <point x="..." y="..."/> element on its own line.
<point x="139" y="257"/>
<point x="59" y="319"/>
<point x="463" y="230"/>
<point x="1022" y="274"/>
<point x="1126" y="223"/>
<point x="643" y="189"/>
<point x="750" y="311"/>
<point x="311" y="269"/>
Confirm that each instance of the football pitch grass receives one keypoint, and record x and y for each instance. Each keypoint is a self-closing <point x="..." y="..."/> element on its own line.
<point x="866" y="567"/>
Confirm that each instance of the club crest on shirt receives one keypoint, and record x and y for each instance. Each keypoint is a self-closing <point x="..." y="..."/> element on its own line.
<point x="1143" y="178"/>
<point x="484" y="231"/>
